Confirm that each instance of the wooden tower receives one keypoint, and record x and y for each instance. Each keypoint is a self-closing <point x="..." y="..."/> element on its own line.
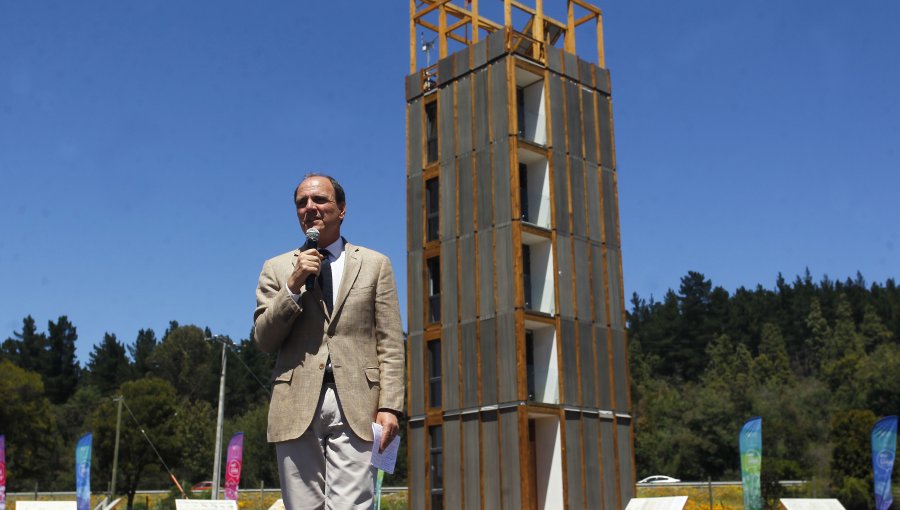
<point x="517" y="359"/>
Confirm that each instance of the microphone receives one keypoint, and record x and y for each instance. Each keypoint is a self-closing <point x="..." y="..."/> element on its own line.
<point x="312" y="241"/>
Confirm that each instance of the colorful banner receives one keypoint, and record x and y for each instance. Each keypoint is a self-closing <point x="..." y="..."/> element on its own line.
<point x="233" y="464"/>
<point x="751" y="463"/>
<point x="83" y="471"/>
<point x="884" y="448"/>
<point x="2" y="472"/>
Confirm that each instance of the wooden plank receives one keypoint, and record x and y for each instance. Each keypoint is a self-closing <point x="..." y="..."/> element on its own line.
<point x="480" y="102"/>
<point x="510" y="478"/>
<point x="604" y="368"/>
<point x="574" y="460"/>
<point x="592" y="188"/>
<point x="582" y="272"/>
<point x="573" y="120"/>
<point x="608" y="450"/>
<point x="490" y="458"/>
<point x="450" y="368"/>
<point x="486" y="304"/>
<point x="559" y="192"/>
<point x="415" y="138"/>
<point x="598" y="284"/>
<point x="568" y="348"/>
<point x="625" y="456"/>
<point x="620" y="371"/>
<point x="449" y="283"/>
<point x="500" y="168"/>
<point x="586" y="359"/>
<point x="610" y="209"/>
<point x="604" y="122"/>
<point x="452" y="463"/>
<point x="415" y="291"/>
<point x="417" y="383"/>
<point x="446" y="126"/>
<point x="506" y="353"/>
<point x="576" y="194"/>
<point x="448" y="208"/>
<point x="466" y="195"/>
<point x="499" y="114"/>
<point x="487" y="346"/>
<point x="592" y="467"/>
<point x="556" y="110"/>
<point x="616" y="310"/>
<point x="418" y="452"/>
<point x="467" y="289"/>
<point x="415" y="212"/>
<point x="564" y="276"/>
<point x="589" y="124"/>
<point x="506" y="288"/>
<point x="468" y="365"/>
<point x="483" y="186"/>
<point x="464" y="116"/>
<point x="471" y="462"/>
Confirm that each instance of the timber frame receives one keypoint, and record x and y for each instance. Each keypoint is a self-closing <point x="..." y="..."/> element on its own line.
<point x="516" y="301"/>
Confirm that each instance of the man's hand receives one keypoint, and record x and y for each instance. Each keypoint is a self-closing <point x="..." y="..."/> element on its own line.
<point x="390" y="427"/>
<point x="308" y="263"/>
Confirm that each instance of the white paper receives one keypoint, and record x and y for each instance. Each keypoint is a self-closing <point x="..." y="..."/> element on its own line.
<point x="387" y="459"/>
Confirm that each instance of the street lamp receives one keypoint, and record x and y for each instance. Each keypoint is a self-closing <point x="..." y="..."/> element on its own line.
<point x="225" y="341"/>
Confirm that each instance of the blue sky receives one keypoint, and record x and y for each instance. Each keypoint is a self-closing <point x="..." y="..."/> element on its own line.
<point x="148" y="150"/>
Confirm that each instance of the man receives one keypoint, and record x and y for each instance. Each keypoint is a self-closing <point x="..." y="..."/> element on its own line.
<point x="340" y="356"/>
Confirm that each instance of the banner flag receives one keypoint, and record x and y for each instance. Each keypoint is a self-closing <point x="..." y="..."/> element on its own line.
<point x="884" y="448"/>
<point x="233" y="464"/>
<point x="83" y="471"/>
<point x="751" y="463"/>
<point x="2" y="472"/>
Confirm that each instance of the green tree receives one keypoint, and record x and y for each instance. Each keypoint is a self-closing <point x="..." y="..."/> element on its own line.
<point x="818" y="336"/>
<point x="141" y="351"/>
<point x="195" y="428"/>
<point x="772" y="366"/>
<point x="62" y="373"/>
<point x="108" y="366"/>
<point x="259" y="455"/>
<point x="149" y="418"/>
<point x="28" y="349"/>
<point x="851" y="458"/>
<point x="186" y="360"/>
<point x="27" y="421"/>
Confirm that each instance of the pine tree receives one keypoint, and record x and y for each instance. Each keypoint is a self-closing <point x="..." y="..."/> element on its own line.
<point x="61" y="376"/>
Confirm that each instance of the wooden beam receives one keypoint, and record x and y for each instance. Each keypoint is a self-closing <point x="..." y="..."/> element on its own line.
<point x="458" y="24"/>
<point x="585" y="19"/>
<point x="428" y="9"/>
<point x="570" y="28"/>
<point x="601" y="56"/>
<point x="592" y="8"/>
<point x="442" y="32"/>
<point x="413" y="44"/>
<point x="523" y="7"/>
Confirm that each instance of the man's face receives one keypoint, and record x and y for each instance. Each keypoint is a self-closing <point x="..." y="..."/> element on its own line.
<point x="317" y="208"/>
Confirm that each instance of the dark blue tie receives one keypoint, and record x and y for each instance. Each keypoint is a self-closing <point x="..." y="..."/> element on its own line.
<point x="325" y="280"/>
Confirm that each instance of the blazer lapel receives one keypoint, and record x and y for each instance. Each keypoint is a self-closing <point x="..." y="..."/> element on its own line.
<point x="352" y="264"/>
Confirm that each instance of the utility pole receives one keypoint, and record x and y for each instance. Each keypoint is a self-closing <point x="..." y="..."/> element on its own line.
<point x="225" y="341"/>
<point x="112" y="486"/>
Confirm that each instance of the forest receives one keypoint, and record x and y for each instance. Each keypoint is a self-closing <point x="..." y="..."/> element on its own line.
<point x="819" y="361"/>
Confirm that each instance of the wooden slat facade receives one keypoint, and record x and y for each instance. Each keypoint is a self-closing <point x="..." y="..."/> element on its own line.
<point x="484" y="431"/>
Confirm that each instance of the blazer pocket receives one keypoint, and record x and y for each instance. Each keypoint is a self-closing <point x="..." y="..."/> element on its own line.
<point x="282" y="375"/>
<point x="373" y="375"/>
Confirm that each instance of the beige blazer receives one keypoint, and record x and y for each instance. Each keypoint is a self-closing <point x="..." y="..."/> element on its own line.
<point x="363" y="336"/>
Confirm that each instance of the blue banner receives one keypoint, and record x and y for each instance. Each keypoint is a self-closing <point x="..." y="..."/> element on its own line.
<point x="751" y="463"/>
<point x="83" y="471"/>
<point x="884" y="447"/>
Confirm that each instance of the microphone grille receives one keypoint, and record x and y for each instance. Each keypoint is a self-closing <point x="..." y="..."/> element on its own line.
<point x="313" y="234"/>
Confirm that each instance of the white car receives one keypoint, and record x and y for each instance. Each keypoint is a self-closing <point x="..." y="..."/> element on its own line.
<point x="659" y="479"/>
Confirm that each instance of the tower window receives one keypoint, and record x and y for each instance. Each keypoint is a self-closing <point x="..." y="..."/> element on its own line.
<point x="434" y="290"/>
<point x="431" y="132"/>
<point x="432" y="213"/>
<point x="434" y="373"/>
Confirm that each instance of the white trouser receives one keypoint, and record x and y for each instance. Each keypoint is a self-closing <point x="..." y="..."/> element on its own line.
<point x="329" y="465"/>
